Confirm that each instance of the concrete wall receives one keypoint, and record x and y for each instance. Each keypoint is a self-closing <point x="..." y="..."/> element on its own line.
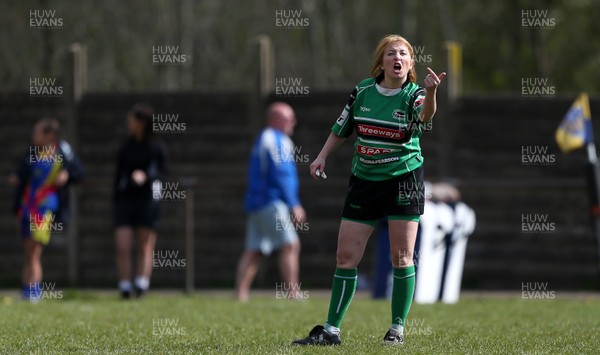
<point x="478" y="145"/>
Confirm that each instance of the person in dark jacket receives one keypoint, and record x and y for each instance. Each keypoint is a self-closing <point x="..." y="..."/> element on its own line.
<point x="42" y="195"/>
<point x="141" y="162"/>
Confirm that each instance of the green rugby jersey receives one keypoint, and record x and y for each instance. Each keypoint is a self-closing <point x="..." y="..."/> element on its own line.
<point x="388" y="139"/>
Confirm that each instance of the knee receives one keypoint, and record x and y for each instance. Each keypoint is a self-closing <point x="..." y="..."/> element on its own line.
<point x="292" y="248"/>
<point x="346" y="259"/>
<point x="29" y="258"/>
<point x="402" y="259"/>
<point x="123" y="250"/>
<point x="252" y="256"/>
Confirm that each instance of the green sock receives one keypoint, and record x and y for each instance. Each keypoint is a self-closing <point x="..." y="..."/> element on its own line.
<point x="342" y="291"/>
<point x="402" y="294"/>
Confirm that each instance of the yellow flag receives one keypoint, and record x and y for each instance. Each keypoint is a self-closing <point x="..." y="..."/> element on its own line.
<point x="575" y="130"/>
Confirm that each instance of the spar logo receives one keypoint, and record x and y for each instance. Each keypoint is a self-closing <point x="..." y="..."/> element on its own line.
<point x="372" y="151"/>
<point x="44" y="20"/>
<point x="168" y="55"/>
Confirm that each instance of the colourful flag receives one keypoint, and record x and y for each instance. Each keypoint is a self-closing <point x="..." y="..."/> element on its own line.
<point x="575" y="130"/>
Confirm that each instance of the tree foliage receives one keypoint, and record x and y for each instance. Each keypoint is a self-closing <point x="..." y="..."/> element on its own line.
<point x="332" y="52"/>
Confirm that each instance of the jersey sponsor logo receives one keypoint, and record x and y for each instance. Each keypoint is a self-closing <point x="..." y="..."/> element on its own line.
<point x="371" y="151"/>
<point x="342" y="119"/>
<point x="378" y="161"/>
<point x="365" y="109"/>
<point x="368" y="130"/>
<point x="418" y="102"/>
<point x="398" y="114"/>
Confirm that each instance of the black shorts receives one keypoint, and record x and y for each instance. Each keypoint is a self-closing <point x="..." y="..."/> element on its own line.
<point x="137" y="212"/>
<point x="402" y="197"/>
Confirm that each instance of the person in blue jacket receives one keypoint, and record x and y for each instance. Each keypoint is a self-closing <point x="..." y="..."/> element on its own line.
<point x="271" y="195"/>
<point x="41" y="202"/>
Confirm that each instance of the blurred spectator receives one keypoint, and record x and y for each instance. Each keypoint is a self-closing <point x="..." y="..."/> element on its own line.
<point x="41" y="200"/>
<point x="142" y="161"/>
<point x="272" y="193"/>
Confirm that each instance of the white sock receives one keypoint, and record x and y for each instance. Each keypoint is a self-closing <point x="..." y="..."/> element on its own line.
<point x="125" y="285"/>
<point x="142" y="282"/>
<point x="398" y="327"/>
<point x="331" y="329"/>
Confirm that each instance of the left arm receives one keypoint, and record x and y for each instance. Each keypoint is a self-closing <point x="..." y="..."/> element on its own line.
<point x="429" y="104"/>
<point x="72" y="166"/>
<point x="21" y="180"/>
<point x="159" y="165"/>
<point x="162" y="160"/>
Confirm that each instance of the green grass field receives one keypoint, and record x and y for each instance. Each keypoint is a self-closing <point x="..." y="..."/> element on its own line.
<point x="87" y="322"/>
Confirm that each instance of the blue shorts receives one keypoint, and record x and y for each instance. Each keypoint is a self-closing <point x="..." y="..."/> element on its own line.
<point x="270" y="228"/>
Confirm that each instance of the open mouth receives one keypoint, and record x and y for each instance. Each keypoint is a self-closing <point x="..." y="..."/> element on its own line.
<point x="397" y="68"/>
